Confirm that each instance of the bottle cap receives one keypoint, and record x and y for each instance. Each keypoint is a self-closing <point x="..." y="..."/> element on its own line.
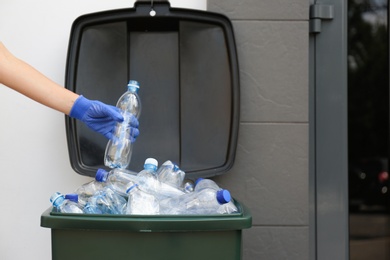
<point x="133" y="86"/>
<point x="151" y="163"/>
<point x="72" y="196"/>
<point x="101" y="175"/>
<point x="223" y="196"/>
<point x="175" y="168"/>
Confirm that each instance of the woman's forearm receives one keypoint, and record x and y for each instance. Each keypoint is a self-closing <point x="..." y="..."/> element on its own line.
<point x="23" y="78"/>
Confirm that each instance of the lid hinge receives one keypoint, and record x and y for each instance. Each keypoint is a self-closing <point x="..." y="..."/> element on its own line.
<point x="319" y="12"/>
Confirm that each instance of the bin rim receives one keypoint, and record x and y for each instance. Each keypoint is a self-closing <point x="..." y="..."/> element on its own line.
<point x="149" y="223"/>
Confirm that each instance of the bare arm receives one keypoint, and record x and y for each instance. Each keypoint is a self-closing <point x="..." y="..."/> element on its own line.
<point x="23" y="78"/>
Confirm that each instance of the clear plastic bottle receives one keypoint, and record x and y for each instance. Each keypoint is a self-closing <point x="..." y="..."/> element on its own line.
<point x="204" y="202"/>
<point x="119" y="180"/>
<point x="228" y="208"/>
<point x="120" y="148"/>
<point x="140" y="202"/>
<point x="201" y="184"/>
<point x="149" y="183"/>
<point x="87" y="190"/>
<point x="106" y="201"/>
<point x="147" y="178"/>
<point x="63" y="205"/>
<point x="170" y="174"/>
<point x="92" y="207"/>
<point x="150" y="168"/>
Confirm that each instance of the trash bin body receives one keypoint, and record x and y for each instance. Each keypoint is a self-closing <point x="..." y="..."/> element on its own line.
<point x="101" y="237"/>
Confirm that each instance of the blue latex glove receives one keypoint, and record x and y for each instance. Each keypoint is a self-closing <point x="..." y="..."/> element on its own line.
<point x="100" y="117"/>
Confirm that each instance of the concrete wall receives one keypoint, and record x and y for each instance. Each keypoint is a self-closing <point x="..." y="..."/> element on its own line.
<point x="270" y="174"/>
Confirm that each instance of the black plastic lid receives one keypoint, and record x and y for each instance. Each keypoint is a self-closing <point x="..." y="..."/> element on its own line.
<point x="186" y="63"/>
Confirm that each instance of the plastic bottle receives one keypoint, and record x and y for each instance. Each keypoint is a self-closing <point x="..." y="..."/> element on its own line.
<point x="148" y="182"/>
<point x="202" y="183"/>
<point x="63" y="205"/>
<point x="147" y="177"/>
<point x="87" y="190"/>
<point x="150" y="168"/>
<point x="119" y="149"/>
<point x="228" y="208"/>
<point x="92" y="207"/>
<point x="119" y="180"/>
<point x="106" y="201"/>
<point x="204" y="202"/>
<point x="140" y="202"/>
<point x="170" y="174"/>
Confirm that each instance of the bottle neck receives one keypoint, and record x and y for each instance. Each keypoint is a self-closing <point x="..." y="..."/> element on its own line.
<point x="150" y="167"/>
<point x="58" y="201"/>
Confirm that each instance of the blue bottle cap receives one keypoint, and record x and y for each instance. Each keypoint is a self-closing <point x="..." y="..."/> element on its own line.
<point x="175" y="168"/>
<point x="223" y="196"/>
<point x="72" y="196"/>
<point x="133" y="86"/>
<point x="198" y="180"/>
<point x="101" y="175"/>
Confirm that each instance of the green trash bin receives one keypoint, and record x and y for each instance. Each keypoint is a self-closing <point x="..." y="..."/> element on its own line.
<point x="186" y="63"/>
<point x="102" y="237"/>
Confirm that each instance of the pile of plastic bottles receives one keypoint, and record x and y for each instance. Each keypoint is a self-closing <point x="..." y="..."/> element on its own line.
<point x="153" y="191"/>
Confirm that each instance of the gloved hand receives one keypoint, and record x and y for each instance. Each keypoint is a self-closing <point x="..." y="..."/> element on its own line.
<point x="100" y="117"/>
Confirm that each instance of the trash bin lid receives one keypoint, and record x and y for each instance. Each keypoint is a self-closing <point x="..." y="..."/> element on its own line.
<point x="186" y="63"/>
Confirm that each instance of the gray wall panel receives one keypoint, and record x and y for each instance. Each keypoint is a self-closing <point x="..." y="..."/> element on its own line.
<point x="271" y="171"/>
<point x="261" y="9"/>
<point x="270" y="174"/>
<point x="273" y="61"/>
<point x="276" y="243"/>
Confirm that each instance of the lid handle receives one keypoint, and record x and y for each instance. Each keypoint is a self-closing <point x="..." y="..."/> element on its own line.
<point x="151" y="4"/>
<point x="151" y="1"/>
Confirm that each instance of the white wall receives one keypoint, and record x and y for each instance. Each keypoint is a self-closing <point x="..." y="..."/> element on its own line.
<point x="33" y="150"/>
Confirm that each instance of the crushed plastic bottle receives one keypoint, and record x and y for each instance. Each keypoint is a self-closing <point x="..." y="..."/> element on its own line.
<point x="87" y="190"/>
<point x="170" y="174"/>
<point x="228" y="208"/>
<point x="120" y="148"/>
<point x="204" y="202"/>
<point x="201" y="184"/>
<point x="119" y="180"/>
<point x="106" y="201"/>
<point x="140" y="202"/>
<point x="149" y="183"/>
